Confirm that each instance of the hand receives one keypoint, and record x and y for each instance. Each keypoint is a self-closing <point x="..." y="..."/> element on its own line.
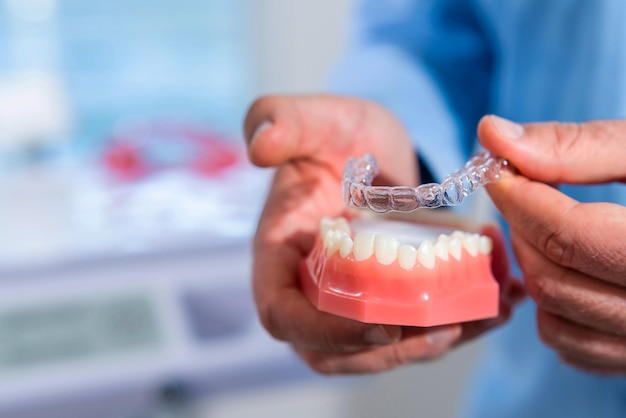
<point x="572" y="255"/>
<point x="309" y="139"/>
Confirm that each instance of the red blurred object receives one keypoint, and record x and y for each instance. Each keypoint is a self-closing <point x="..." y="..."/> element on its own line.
<point x="152" y="147"/>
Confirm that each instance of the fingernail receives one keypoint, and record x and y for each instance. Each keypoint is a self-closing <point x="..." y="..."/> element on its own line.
<point x="506" y="128"/>
<point x="262" y="127"/>
<point x="380" y="335"/>
<point x="442" y="338"/>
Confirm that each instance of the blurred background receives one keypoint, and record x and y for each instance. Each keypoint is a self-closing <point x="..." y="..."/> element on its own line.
<point x="127" y="208"/>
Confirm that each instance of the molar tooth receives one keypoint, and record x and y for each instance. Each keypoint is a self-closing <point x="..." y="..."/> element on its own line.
<point x="345" y="246"/>
<point x="454" y="248"/>
<point x="333" y="241"/>
<point x="485" y="245"/>
<point x="471" y="244"/>
<point x="386" y="249"/>
<point x="341" y="224"/>
<point x="363" y="246"/>
<point x="441" y="249"/>
<point x="326" y="224"/>
<point x="426" y="254"/>
<point x="407" y="256"/>
<point x="328" y="236"/>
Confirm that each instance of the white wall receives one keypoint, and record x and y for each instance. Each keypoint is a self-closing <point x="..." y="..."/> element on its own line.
<point x="296" y="41"/>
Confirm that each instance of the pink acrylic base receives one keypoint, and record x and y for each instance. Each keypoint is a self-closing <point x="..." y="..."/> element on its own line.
<point x="453" y="291"/>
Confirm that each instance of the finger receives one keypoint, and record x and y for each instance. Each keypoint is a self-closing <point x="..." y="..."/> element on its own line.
<point x="584" y="365"/>
<point x="328" y="129"/>
<point x="417" y="344"/>
<point x="510" y="289"/>
<point x="585" y="237"/>
<point x="572" y="295"/>
<point x="574" y="341"/>
<point x="284" y="237"/>
<point x="592" y="152"/>
<point x="279" y="302"/>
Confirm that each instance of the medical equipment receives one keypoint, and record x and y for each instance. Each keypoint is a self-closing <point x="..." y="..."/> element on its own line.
<point x="358" y="191"/>
<point x="403" y="273"/>
<point x="391" y="272"/>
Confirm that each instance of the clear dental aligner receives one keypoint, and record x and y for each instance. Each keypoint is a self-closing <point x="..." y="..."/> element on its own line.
<point x="358" y="191"/>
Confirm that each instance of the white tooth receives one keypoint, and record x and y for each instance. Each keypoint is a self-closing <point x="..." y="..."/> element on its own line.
<point x="441" y="249"/>
<point x="458" y="234"/>
<point x="407" y="256"/>
<point x="363" y="246"/>
<point x="386" y="249"/>
<point x="341" y="224"/>
<point x="426" y="254"/>
<point x="471" y="244"/>
<point x="485" y="245"/>
<point x="444" y="238"/>
<point x="328" y="236"/>
<point x="345" y="246"/>
<point x="326" y="224"/>
<point x="333" y="242"/>
<point x="454" y="248"/>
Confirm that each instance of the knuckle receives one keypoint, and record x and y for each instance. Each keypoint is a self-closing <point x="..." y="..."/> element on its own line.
<point x="321" y="366"/>
<point x="395" y="357"/>
<point x="548" y="331"/>
<point x="329" y="342"/>
<point x="316" y="361"/>
<point x="557" y="247"/>
<point x="566" y="137"/>
<point x="541" y="289"/>
<point x="269" y="319"/>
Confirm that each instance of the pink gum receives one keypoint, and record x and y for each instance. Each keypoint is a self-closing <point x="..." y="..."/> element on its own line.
<point x="452" y="292"/>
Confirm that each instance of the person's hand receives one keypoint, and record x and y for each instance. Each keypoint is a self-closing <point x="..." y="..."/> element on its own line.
<point x="573" y="255"/>
<point x="309" y="140"/>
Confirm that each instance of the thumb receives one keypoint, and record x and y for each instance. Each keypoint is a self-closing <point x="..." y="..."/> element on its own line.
<point x="327" y="129"/>
<point x="592" y="152"/>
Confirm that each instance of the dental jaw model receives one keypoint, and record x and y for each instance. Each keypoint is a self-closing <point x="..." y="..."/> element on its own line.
<point x="403" y="273"/>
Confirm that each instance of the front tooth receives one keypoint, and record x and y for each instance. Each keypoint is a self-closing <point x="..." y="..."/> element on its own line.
<point x="386" y="249"/>
<point x="341" y="224"/>
<point x="441" y="249"/>
<point x="345" y="246"/>
<point x="471" y="244"/>
<point x="363" y="246"/>
<point x="426" y="254"/>
<point x="485" y="245"/>
<point x="332" y="242"/>
<point x="454" y="248"/>
<point x="326" y="224"/>
<point x="407" y="256"/>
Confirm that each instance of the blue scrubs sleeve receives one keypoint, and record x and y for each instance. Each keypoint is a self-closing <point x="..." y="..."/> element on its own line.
<point x="406" y="56"/>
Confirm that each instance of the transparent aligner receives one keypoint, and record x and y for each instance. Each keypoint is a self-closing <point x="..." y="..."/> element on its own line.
<point x="358" y="191"/>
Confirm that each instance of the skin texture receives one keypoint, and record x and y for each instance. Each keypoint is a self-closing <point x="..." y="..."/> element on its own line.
<point x="572" y="254"/>
<point x="308" y="140"/>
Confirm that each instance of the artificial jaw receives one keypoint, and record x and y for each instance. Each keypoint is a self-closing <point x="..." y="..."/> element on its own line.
<point x="400" y="273"/>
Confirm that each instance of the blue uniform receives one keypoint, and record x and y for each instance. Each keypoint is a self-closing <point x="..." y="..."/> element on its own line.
<point x="440" y="65"/>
